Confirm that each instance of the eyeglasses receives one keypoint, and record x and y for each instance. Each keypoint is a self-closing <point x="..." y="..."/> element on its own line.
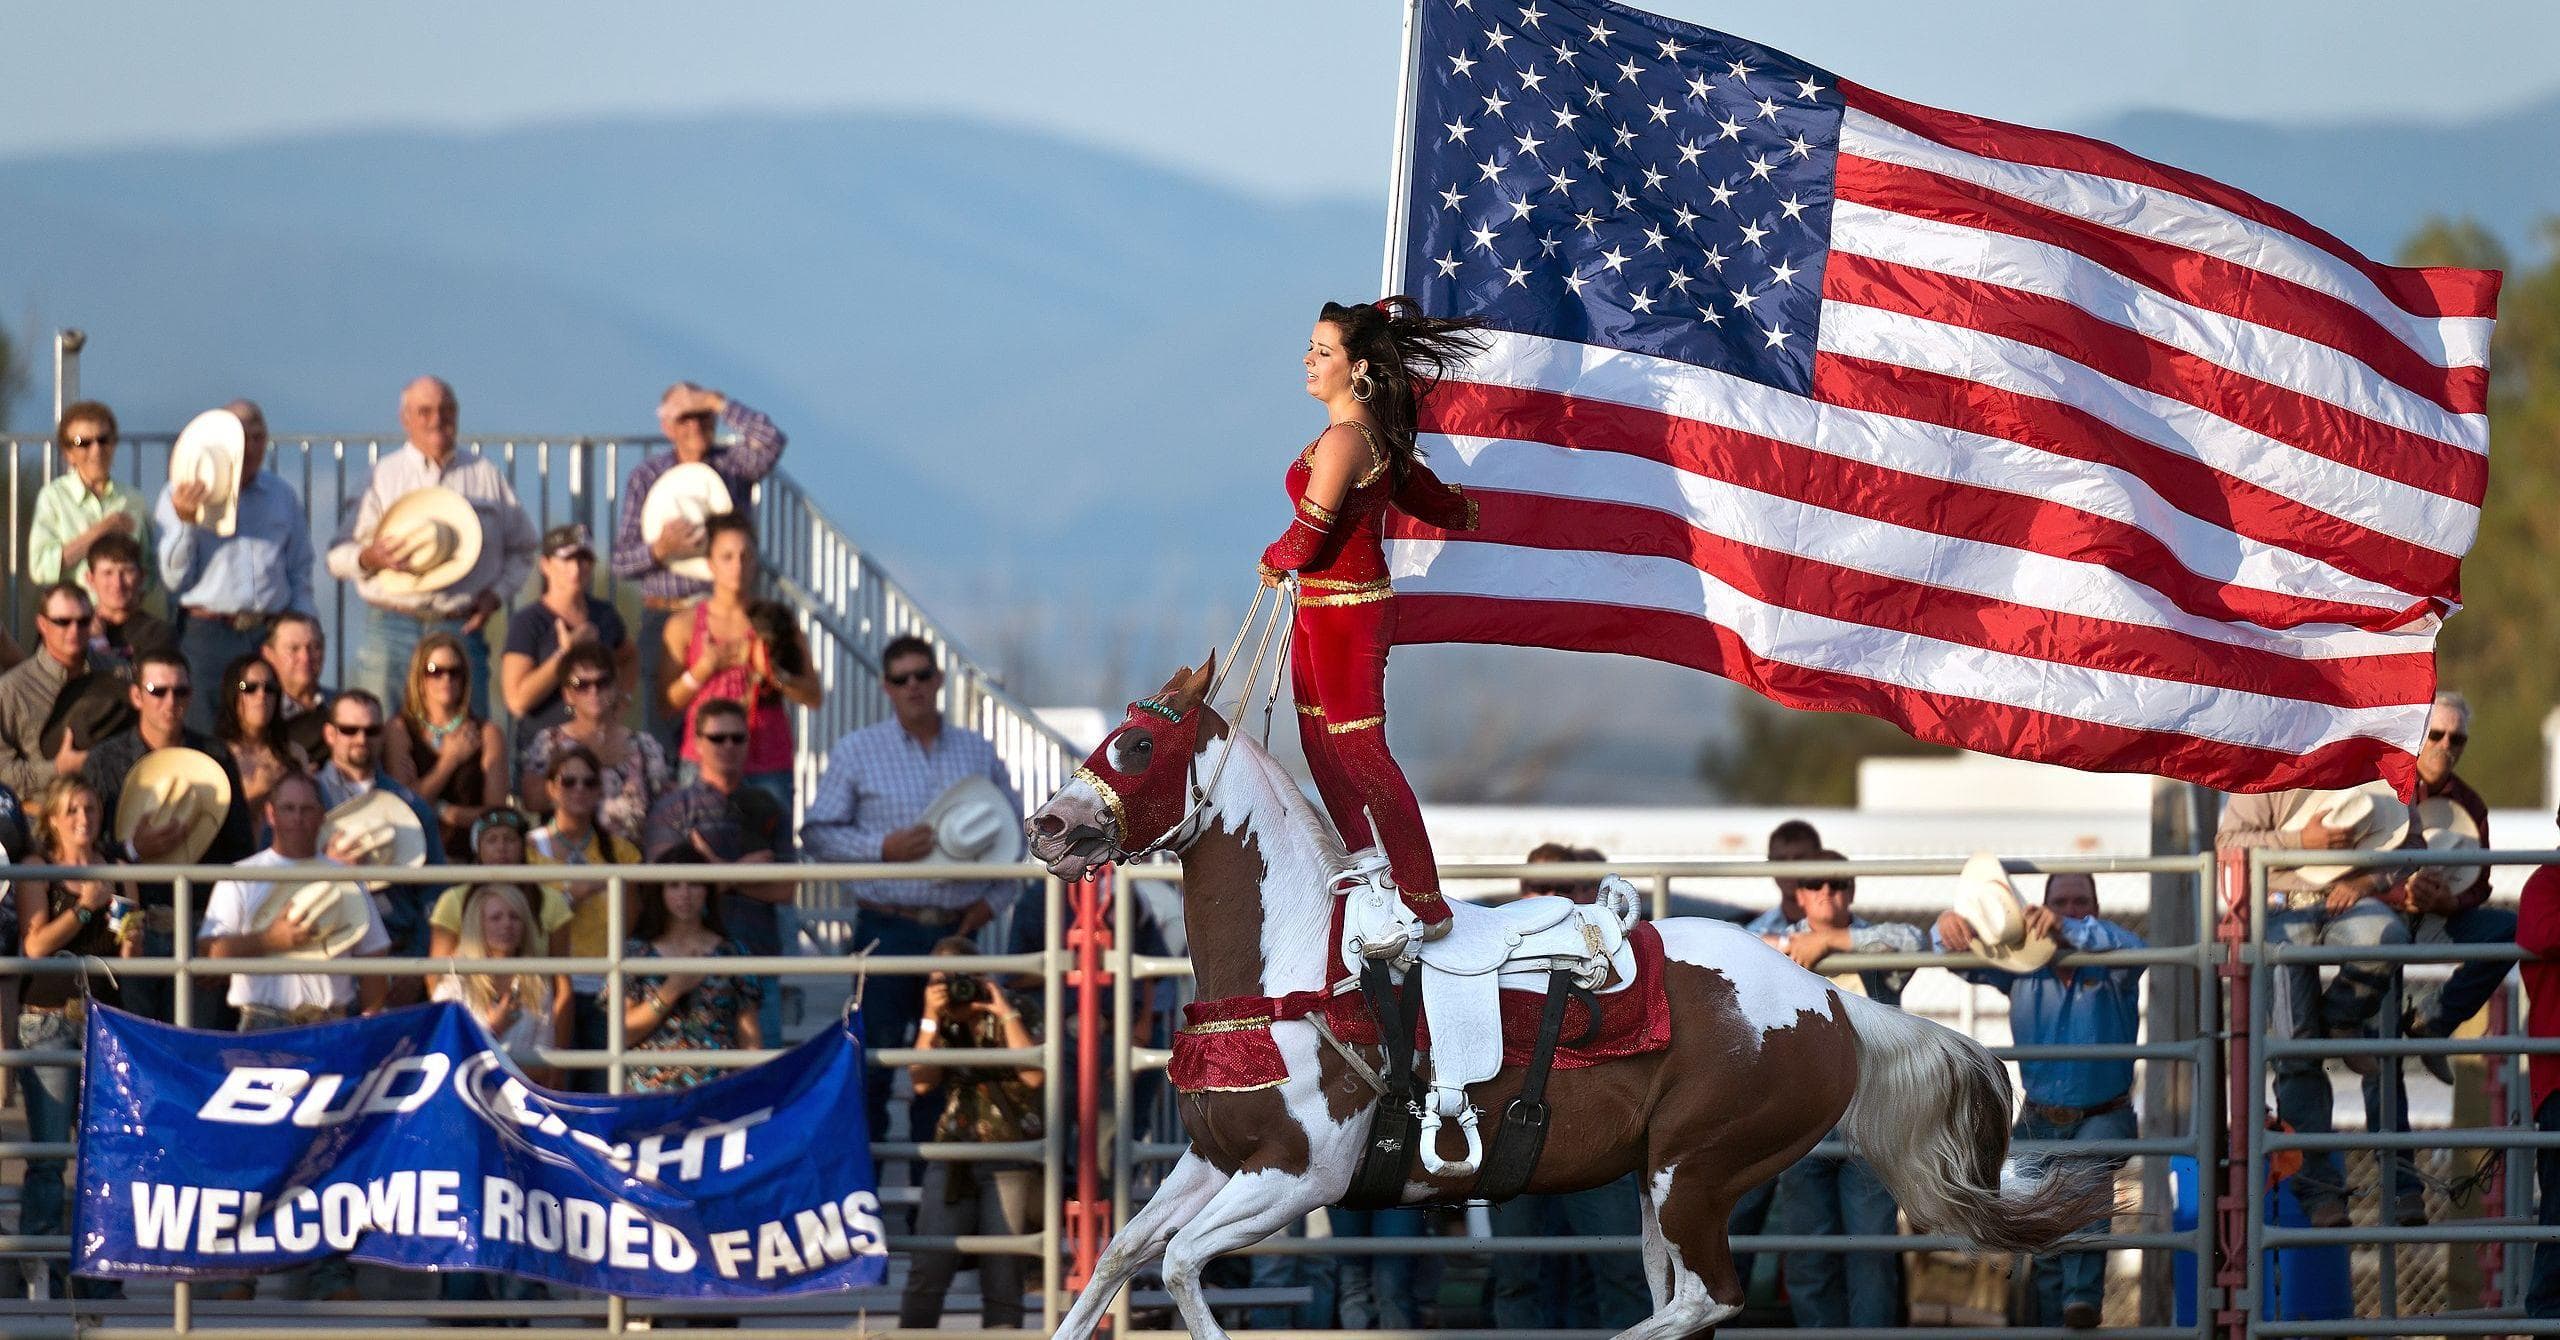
<point x="912" y="677"/>
<point x="255" y="688"/>
<point x="78" y="443"/>
<point x="724" y="737"/>
<point x="587" y="685"/>
<point x="576" y="781"/>
<point x="180" y="692"/>
<point x="2458" y="738"/>
<point x="1835" y="885"/>
<point x="368" y="732"/>
<point x="443" y="671"/>
<point x="81" y="621"/>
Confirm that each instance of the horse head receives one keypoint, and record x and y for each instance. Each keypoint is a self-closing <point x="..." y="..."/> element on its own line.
<point x="1139" y="786"/>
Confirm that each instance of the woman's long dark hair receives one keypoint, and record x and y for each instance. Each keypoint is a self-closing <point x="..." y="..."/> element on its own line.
<point x="1408" y="353"/>
<point x="226" y="706"/>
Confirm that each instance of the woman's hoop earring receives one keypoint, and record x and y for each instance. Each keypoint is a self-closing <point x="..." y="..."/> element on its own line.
<point x="1362" y="387"/>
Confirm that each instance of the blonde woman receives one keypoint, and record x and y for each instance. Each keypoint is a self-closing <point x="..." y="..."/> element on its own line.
<point x="516" y="1008"/>
<point x="453" y="760"/>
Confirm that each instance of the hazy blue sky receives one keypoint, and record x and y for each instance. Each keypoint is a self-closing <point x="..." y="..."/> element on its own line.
<point x="1288" y="97"/>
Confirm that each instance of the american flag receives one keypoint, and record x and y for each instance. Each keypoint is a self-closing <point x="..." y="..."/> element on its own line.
<point x="2010" y="437"/>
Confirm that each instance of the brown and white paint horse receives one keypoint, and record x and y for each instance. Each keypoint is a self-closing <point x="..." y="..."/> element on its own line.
<point x="1764" y="1058"/>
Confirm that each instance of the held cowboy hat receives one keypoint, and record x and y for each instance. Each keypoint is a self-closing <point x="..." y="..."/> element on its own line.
<point x="210" y="451"/>
<point x="338" y="912"/>
<point x="2446" y="826"/>
<point x="90" y="707"/>
<point x="435" y="534"/>
<point x="1990" y="904"/>
<point x="692" y="492"/>
<point x="974" y="823"/>
<point x="2379" y="819"/>
<point x="177" y="781"/>
<point x="384" y="829"/>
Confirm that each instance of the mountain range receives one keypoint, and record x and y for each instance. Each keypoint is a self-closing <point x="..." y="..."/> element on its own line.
<point x="1050" y="384"/>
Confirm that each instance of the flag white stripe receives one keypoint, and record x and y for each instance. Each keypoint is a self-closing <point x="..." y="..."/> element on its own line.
<point x="2320" y="371"/>
<point x="2148" y="211"/>
<point x="2369" y="500"/>
<point x="1844" y="539"/>
<point x="1564" y="367"/>
<point x="1462" y="568"/>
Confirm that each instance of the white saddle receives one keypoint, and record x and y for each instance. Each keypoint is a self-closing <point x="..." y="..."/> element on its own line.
<point x="1517" y="945"/>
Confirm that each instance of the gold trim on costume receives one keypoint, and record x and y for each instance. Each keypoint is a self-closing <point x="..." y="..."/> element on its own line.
<point x="1383" y="592"/>
<point x="1245" y="1024"/>
<point x="1346" y="727"/>
<point x="1110" y="798"/>
<point x="1316" y="510"/>
<point x="1328" y="584"/>
<point x="1473" y="520"/>
<point x="1237" y="1088"/>
<point x="1311" y="710"/>
<point x="1420" y="896"/>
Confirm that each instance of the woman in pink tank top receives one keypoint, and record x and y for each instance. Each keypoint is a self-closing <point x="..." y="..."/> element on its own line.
<point x="717" y="650"/>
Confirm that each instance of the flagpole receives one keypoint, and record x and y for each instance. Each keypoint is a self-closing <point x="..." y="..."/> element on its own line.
<point x="1399" y="163"/>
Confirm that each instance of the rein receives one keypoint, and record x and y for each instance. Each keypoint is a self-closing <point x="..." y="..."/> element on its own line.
<point x="1282" y="620"/>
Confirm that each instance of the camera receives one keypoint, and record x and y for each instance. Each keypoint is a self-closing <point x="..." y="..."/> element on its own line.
<point x="964" y="990"/>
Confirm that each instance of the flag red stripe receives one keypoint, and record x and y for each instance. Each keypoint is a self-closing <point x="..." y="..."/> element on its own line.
<point x="1921" y="502"/>
<point x="2191" y="486"/>
<point x="2291" y="417"/>
<point x="1791" y="581"/>
<point x="2420" y="291"/>
<point x="2206" y="281"/>
<point x="1938" y="718"/>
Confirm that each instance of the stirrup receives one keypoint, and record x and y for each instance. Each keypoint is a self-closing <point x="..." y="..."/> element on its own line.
<point x="1375" y="922"/>
<point x="1430" y="1137"/>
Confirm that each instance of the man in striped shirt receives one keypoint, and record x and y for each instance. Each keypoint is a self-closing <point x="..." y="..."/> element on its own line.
<point x="878" y="782"/>
<point x="706" y="427"/>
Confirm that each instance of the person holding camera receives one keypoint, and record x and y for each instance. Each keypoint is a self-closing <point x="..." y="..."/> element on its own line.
<point x="982" y="1105"/>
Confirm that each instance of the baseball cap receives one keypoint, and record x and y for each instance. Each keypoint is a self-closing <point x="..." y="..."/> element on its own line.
<point x="566" y="541"/>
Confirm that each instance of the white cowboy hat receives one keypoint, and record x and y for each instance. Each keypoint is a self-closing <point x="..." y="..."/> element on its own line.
<point x="437" y="536"/>
<point x="1990" y="904"/>
<point x="177" y="780"/>
<point x="975" y="823"/>
<point x="691" y="492"/>
<point x="211" y="450"/>
<point x="337" y="911"/>
<point x="2379" y="818"/>
<point x="2449" y="827"/>
<point x="385" y="829"/>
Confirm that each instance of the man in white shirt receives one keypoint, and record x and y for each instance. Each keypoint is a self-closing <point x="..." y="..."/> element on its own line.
<point x="433" y="457"/>
<point x="294" y="812"/>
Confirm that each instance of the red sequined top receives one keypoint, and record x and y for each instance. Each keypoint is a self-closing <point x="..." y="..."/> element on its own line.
<point x="1345" y="548"/>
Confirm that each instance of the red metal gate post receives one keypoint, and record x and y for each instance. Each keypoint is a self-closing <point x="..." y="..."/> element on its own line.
<point x="1089" y="1213"/>
<point x="2244" y="1109"/>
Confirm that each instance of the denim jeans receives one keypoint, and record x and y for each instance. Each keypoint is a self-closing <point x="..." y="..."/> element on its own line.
<point x="1822" y="1195"/>
<point x="2303" y="1097"/>
<point x="2542" y="1297"/>
<point x="2471" y="984"/>
<point x="2064" y="1278"/>
<point x="53" y="1109"/>
<point x="890" y="1008"/>
<point x="1375" y="1292"/>
<point x="1575" y="1290"/>
<point x="966" y="1198"/>
<point x="391" y="639"/>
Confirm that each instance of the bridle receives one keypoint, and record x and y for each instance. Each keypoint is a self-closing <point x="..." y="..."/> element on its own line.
<point x="1280" y="622"/>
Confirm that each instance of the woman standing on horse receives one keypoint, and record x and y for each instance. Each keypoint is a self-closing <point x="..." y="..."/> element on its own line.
<point x="1370" y="364"/>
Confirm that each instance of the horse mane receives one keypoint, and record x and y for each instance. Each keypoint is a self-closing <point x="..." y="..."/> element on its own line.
<point x="1255" y="788"/>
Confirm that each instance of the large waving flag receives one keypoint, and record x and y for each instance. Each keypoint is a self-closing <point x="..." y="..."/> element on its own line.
<point x="2010" y="437"/>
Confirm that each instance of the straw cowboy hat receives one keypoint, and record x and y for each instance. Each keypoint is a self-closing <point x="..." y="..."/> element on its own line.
<point x="90" y="707"/>
<point x="337" y="911"/>
<point x="1990" y="904"/>
<point x="437" y="536"/>
<point x="2379" y="819"/>
<point x="175" y="781"/>
<point x="975" y="823"/>
<point x="2446" y="826"/>
<point x="693" y="493"/>
<point x="211" y="450"/>
<point x="386" y="831"/>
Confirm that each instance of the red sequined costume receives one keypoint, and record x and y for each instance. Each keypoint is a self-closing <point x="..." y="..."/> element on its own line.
<point x="1338" y="660"/>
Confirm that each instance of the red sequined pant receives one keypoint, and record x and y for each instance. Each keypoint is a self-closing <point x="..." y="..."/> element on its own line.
<point x="1338" y="673"/>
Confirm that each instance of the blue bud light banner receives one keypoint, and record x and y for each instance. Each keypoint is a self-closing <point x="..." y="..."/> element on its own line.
<point x="408" y="1140"/>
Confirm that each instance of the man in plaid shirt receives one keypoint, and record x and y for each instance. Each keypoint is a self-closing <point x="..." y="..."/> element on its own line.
<point x="703" y="426"/>
<point x="878" y="782"/>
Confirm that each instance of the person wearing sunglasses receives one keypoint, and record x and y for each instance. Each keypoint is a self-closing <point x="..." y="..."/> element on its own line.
<point x="705" y="427"/>
<point x="721" y="653"/>
<point x="64" y="617"/>
<point x="249" y="724"/>
<point x="635" y="768"/>
<point x="353" y="728"/>
<point x="722" y="818"/>
<point x="453" y="759"/>
<point x="574" y="838"/>
<point x="533" y="673"/>
<point x="1822" y="1196"/>
<point x="83" y="504"/>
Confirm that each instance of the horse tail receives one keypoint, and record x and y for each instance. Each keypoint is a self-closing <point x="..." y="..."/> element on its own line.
<point x="1931" y="1116"/>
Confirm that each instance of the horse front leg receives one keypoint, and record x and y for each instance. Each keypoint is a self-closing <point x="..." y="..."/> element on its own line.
<point x="1250" y="1207"/>
<point x="1179" y="1196"/>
